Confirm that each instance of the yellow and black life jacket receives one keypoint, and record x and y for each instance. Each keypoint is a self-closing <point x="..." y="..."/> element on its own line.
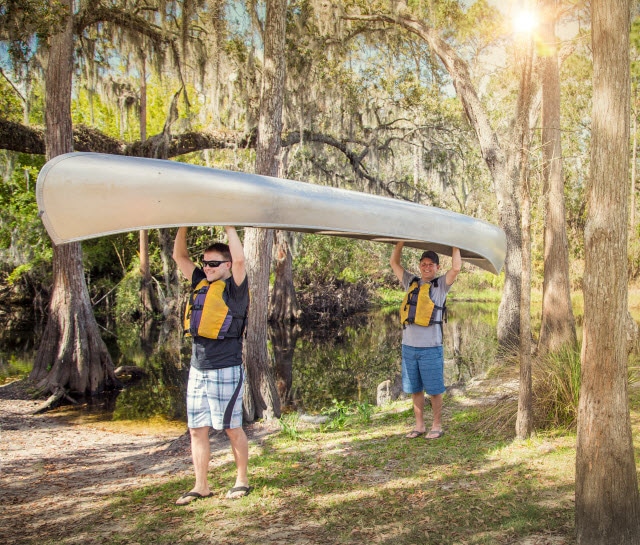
<point x="417" y="306"/>
<point x="207" y="314"/>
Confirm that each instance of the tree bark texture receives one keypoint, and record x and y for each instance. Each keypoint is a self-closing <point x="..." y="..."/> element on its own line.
<point x="283" y="306"/>
<point x="148" y="298"/>
<point x="524" y="420"/>
<point x="258" y="243"/>
<point x="607" y="499"/>
<point x="558" y="326"/>
<point x="261" y="396"/>
<point x="72" y="355"/>
<point x="634" y="160"/>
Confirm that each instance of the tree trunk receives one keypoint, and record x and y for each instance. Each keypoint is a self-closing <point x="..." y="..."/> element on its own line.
<point x="72" y="356"/>
<point x="261" y="396"/>
<point x="634" y="159"/>
<point x="170" y="301"/>
<point x="264" y="401"/>
<point x="284" y="303"/>
<point x="524" y="420"/>
<point x="607" y="499"/>
<point x="558" y="326"/>
<point x="148" y="297"/>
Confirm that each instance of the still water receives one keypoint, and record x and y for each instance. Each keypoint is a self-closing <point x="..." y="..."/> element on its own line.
<point x="311" y="367"/>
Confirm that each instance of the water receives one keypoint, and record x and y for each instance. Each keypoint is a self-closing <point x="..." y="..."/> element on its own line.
<point x="311" y="368"/>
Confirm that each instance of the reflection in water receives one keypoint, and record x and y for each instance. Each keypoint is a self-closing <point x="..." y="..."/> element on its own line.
<point x="344" y="364"/>
<point x="311" y="367"/>
<point x="470" y="341"/>
<point x="161" y="393"/>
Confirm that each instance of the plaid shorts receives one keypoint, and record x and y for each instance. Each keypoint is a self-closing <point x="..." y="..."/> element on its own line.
<point x="214" y="398"/>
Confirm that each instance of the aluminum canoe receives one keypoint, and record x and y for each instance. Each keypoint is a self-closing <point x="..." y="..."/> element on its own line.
<point x="87" y="195"/>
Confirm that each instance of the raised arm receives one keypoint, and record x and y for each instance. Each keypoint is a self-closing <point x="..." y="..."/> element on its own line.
<point x="238" y="267"/>
<point x="398" y="269"/>
<point x="181" y="254"/>
<point x="456" y="266"/>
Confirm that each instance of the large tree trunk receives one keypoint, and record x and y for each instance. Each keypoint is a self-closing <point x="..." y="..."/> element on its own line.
<point x="524" y="420"/>
<point x="261" y="397"/>
<point x="72" y="355"/>
<point x="558" y="324"/>
<point x="283" y="306"/>
<point x="607" y="499"/>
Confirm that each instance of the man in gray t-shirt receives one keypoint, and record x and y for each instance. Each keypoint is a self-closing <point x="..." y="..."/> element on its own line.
<point x="422" y="352"/>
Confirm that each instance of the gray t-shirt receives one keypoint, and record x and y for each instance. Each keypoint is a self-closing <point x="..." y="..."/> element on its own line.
<point x="420" y="336"/>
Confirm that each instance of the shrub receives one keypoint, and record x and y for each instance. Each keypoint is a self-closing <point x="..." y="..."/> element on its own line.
<point x="556" y="387"/>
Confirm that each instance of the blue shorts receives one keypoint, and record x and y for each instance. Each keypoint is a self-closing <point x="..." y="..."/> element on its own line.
<point x="423" y="370"/>
<point x="214" y="398"/>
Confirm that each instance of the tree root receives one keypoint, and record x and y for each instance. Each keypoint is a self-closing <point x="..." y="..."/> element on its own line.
<point x="54" y="401"/>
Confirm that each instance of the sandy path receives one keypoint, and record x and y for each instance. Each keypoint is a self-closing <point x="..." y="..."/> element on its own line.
<point x="53" y="472"/>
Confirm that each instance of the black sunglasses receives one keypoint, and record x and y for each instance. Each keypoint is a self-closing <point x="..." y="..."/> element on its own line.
<point x="212" y="264"/>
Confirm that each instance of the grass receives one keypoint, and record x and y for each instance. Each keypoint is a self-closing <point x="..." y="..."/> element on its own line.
<point x="360" y="481"/>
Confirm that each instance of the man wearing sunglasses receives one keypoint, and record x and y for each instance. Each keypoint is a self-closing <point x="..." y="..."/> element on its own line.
<point x="215" y="318"/>
<point x="422" y="316"/>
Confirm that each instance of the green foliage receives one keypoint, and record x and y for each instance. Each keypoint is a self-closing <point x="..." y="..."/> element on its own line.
<point x="634" y="253"/>
<point x="21" y="20"/>
<point x="128" y="303"/>
<point x="338" y="414"/>
<point x="93" y="110"/>
<point x="478" y="281"/>
<point x="320" y="258"/>
<point x="289" y="425"/>
<point x="14" y="367"/>
<point x="24" y="245"/>
<point x="342" y="414"/>
<point x="17" y="273"/>
<point x="10" y="104"/>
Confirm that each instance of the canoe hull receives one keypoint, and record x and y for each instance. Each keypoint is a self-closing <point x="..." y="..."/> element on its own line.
<point x="87" y="195"/>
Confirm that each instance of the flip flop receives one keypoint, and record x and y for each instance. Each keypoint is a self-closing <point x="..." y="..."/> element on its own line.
<point x="188" y="497"/>
<point x="413" y="434"/>
<point x="435" y="434"/>
<point x="238" y="492"/>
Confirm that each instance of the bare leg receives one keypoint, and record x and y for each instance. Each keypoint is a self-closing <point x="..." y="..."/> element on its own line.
<point x="436" y="427"/>
<point x="240" y="449"/>
<point x="200" y="454"/>
<point x="418" y="411"/>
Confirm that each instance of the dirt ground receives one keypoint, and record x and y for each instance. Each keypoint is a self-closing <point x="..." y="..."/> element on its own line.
<point x="54" y="472"/>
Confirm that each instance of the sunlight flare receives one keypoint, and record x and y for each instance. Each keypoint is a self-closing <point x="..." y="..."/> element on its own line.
<point x="525" y="22"/>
